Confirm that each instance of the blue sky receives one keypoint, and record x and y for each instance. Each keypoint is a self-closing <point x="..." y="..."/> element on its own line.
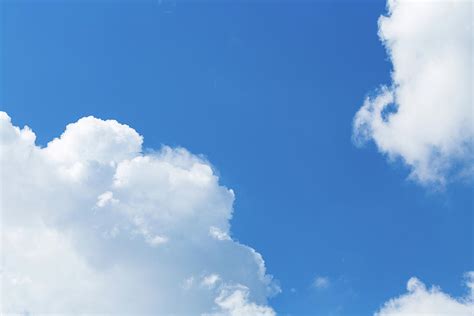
<point x="267" y="92"/>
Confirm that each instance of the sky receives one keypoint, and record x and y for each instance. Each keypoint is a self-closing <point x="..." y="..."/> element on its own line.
<point x="268" y="157"/>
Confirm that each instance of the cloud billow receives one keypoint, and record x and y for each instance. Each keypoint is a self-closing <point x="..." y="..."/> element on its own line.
<point x="426" y="116"/>
<point x="90" y="224"/>
<point x="421" y="300"/>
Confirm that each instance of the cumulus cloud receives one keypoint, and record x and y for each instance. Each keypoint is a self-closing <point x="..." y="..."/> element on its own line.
<point x="234" y="301"/>
<point x="421" y="300"/>
<point x="90" y="224"/>
<point x="426" y="116"/>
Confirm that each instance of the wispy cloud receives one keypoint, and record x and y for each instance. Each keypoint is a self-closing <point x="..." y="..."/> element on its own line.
<point x="321" y="282"/>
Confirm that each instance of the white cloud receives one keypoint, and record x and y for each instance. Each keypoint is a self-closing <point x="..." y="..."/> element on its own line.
<point x="321" y="282"/>
<point x="92" y="225"/>
<point x="79" y="142"/>
<point x="210" y="280"/>
<point x="105" y="198"/>
<point x="218" y="234"/>
<point x="433" y="302"/>
<point x="234" y="301"/>
<point x="432" y="128"/>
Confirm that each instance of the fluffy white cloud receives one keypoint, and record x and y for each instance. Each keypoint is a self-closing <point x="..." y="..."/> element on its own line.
<point x="234" y="301"/>
<point x="433" y="302"/>
<point x="426" y="116"/>
<point x="92" y="225"/>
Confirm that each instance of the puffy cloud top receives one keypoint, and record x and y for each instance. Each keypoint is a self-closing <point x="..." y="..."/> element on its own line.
<point x="90" y="224"/>
<point x="423" y="301"/>
<point x="80" y="142"/>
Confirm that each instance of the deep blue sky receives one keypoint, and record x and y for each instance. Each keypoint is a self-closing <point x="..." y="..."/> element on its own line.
<point x="267" y="93"/>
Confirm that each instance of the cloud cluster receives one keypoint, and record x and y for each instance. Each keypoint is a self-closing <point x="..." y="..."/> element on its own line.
<point x="90" y="224"/>
<point x="426" y="116"/>
<point x="423" y="301"/>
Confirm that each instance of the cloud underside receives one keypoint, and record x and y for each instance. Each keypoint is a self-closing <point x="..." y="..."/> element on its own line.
<point x="421" y="300"/>
<point x="426" y="116"/>
<point x="90" y="224"/>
